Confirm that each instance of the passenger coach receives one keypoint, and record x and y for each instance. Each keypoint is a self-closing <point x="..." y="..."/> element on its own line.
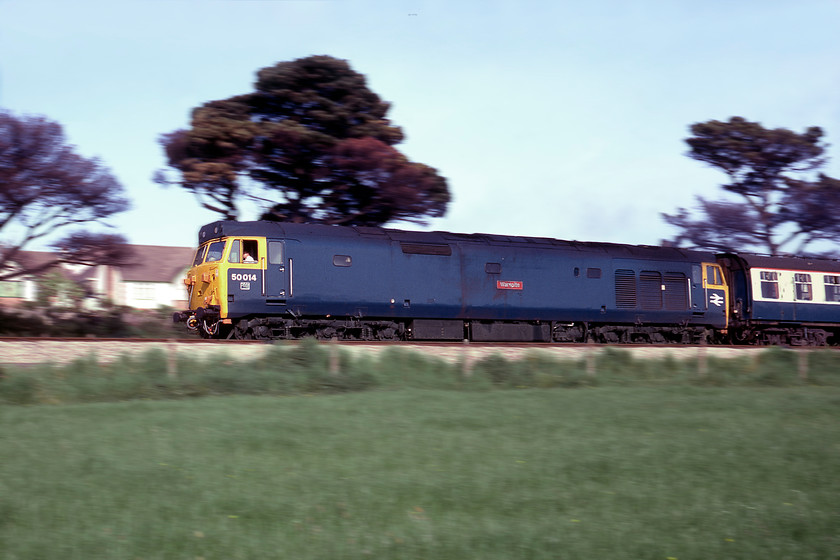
<point x="784" y="300"/>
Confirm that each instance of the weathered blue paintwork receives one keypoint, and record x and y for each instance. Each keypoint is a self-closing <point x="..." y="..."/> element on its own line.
<point x="405" y="274"/>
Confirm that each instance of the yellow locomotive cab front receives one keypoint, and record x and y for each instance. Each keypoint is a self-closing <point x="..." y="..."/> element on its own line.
<point x="207" y="281"/>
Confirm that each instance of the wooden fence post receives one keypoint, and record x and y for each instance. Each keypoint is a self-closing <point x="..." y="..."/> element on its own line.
<point x="590" y="362"/>
<point x="803" y="365"/>
<point x="335" y="363"/>
<point x="171" y="360"/>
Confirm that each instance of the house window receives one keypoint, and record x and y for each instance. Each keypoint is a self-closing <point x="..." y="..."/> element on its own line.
<point x="11" y="289"/>
<point x="832" y="288"/>
<point x="769" y="284"/>
<point x="802" y="283"/>
<point x="144" y="292"/>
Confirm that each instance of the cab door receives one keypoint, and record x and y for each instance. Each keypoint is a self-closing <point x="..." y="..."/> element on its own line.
<point x="245" y="276"/>
<point x="278" y="272"/>
<point x="716" y="294"/>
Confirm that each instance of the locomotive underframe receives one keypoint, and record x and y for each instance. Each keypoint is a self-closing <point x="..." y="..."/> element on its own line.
<point x="353" y="328"/>
<point x="207" y="322"/>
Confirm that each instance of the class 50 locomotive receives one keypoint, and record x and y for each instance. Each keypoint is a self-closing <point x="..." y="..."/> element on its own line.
<point x="268" y="280"/>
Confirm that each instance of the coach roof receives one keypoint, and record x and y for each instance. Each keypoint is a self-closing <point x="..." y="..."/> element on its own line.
<point x="788" y="263"/>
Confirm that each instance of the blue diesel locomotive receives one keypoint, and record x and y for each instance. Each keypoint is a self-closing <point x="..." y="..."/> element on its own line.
<point x="277" y="280"/>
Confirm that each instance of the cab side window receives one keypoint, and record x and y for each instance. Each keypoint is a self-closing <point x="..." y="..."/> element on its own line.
<point x="250" y="250"/>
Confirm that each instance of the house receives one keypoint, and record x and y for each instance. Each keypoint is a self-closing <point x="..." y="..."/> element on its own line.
<point x="151" y="277"/>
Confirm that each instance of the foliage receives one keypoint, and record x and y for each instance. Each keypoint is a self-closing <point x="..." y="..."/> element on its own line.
<point x="618" y="473"/>
<point x="313" y="368"/>
<point x="312" y="144"/>
<point x="46" y="188"/>
<point x="113" y="322"/>
<point x="777" y="207"/>
<point x="55" y="288"/>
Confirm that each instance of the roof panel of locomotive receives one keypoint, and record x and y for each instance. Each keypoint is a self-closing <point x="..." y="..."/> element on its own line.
<point x="216" y="230"/>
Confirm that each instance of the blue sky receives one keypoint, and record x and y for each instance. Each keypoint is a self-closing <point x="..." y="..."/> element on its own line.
<point x="549" y="118"/>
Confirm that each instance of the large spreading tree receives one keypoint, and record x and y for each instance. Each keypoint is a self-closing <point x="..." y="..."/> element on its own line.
<point x="312" y="144"/>
<point x="781" y="205"/>
<point x="46" y="191"/>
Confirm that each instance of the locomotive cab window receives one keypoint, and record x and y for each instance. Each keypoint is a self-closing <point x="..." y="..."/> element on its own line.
<point x="199" y="255"/>
<point x="250" y="251"/>
<point x="713" y="275"/>
<point x="802" y="283"/>
<point x="593" y="272"/>
<point x="233" y="257"/>
<point x="215" y="251"/>
<point x="342" y="260"/>
<point x="832" y="288"/>
<point x="244" y="251"/>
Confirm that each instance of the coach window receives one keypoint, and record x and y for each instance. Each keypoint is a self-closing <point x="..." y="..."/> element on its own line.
<point x="769" y="284"/>
<point x="802" y="283"/>
<point x="832" y="288"/>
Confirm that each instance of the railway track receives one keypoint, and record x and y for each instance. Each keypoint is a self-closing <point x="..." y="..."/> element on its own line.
<point x="28" y="351"/>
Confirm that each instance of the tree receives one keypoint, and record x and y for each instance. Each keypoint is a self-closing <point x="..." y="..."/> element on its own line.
<point x="46" y="188"/>
<point x="776" y="206"/>
<point x="312" y="144"/>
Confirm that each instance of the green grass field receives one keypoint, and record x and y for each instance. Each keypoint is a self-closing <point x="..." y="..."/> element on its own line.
<point x="674" y="472"/>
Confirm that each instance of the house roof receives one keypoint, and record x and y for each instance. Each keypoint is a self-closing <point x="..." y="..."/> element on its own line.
<point x="145" y="263"/>
<point x="152" y="263"/>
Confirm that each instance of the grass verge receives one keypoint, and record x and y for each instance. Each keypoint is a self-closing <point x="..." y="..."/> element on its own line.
<point x="312" y="368"/>
<point x="676" y="472"/>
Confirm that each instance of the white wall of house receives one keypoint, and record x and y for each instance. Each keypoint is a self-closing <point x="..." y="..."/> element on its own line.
<point x="151" y="295"/>
<point x="106" y="283"/>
